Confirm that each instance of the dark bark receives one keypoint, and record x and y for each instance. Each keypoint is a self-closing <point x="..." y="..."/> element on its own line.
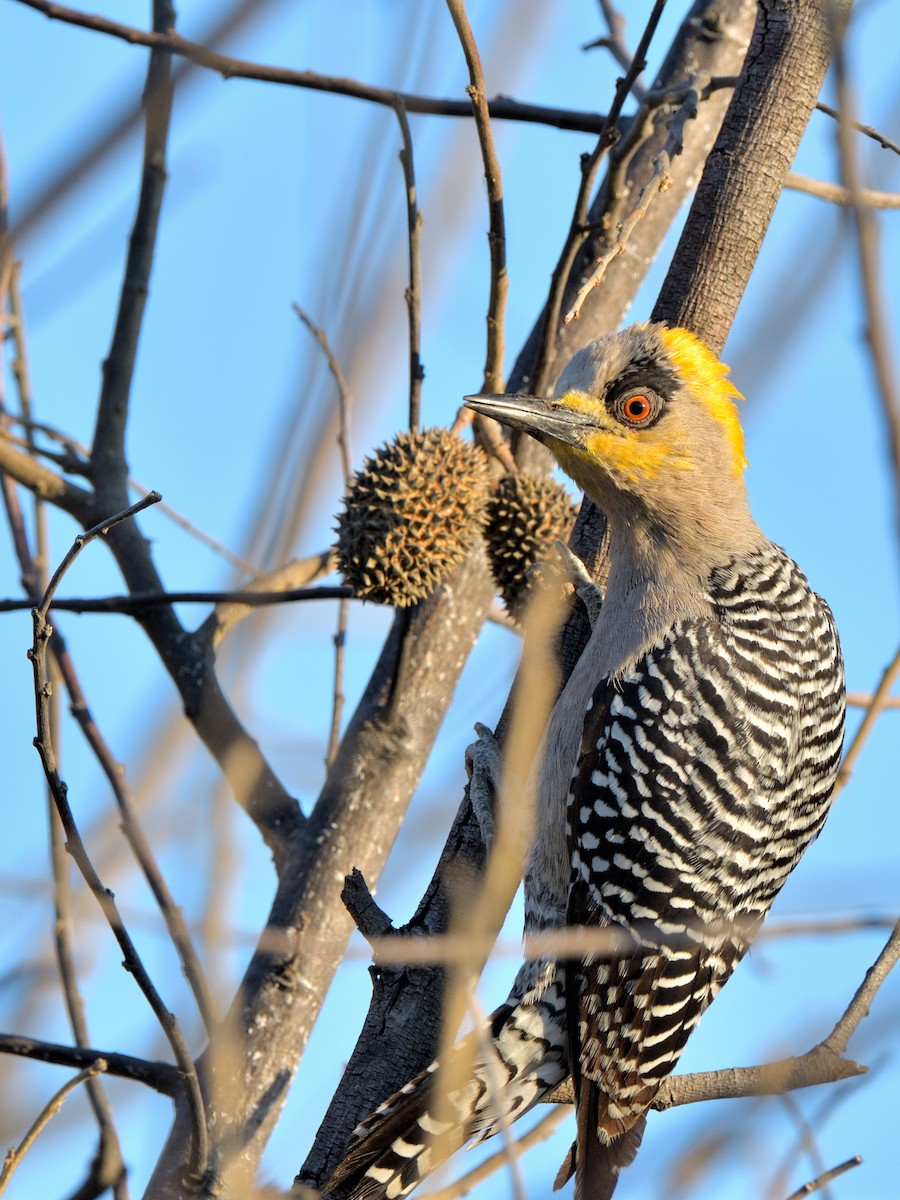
<point x="744" y="175"/>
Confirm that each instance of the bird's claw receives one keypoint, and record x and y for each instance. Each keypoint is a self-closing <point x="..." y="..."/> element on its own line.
<point x="562" y="565"/>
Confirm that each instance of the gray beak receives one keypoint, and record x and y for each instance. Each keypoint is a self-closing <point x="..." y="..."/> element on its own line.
<point x="543" y="419"/>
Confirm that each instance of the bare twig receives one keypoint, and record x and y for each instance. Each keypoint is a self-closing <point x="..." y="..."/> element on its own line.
<point x="130" y="827"/>
<point x="878" y="334"/>
<point x="868" y="130"/>
<point x="343" y="438"/>
<point x="805" y="1142"/>
<point x="414" y="291"/>
<point x="864" y="699"/>
<point x="493" y="365"/>
<point x="578" y="229"/>
<point x="343" y="442"/>
<point x="816" y="1185"/>
<point x="615" y="43"/>
<point x="658" y="181"/>
<point x="51" y="1108"/>
<point x="834" y="193"/>
<point x="162" y="1077"/>
<point x="44" y="745"/>
<point x="108" y="1166"/>
<point x="501" y="108"/>
<point x="858" y="1007"/>
<point x="140" y="601"/>
<point x="84" y="539"/>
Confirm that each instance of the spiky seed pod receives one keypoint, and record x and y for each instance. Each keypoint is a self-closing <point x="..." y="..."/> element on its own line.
<point x="410" y="515"/>
<point x="526" y="514"/>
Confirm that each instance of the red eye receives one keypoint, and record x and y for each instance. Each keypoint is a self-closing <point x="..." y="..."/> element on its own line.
<point x="637" y="409"/>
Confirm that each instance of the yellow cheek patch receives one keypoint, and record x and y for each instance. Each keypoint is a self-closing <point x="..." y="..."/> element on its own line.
<point x="707" y="379"/>
<point x="633" y="455"/>
<point x="629" y="458"/>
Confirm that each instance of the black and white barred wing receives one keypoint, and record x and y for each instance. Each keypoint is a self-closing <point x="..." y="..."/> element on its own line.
<point x="705" y="773"/>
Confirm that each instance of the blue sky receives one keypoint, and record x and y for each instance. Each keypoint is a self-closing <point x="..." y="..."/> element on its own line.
<point x="278" y="196"/>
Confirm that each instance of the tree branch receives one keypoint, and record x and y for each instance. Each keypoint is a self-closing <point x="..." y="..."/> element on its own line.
<point x="744" y="175"/>
<point x="160" y="1076"/>
<point x="836" y="193"/>
<point x="75" y="845"/>
<point x="501" y="108"/>
<point x="493" y="364"/>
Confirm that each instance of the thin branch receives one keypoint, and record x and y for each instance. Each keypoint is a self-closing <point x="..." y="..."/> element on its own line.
<point x="868" y="130"/>
<point x="658" y="181"/>
<point x="578" y="228"/>
<point x="108" y="1162"/>
<point x="493" y="365"/>
<point x="864" y="699"/>
<point x="162" y="1077"/>
<point x="51" y="1108"/>
<point x="501" y="108"/>
<point x="816" y="1185"/>
<point x="878" y="335"/>
<point x="804" y="1143"/>
<point x="46" y="484"/>
<point x="139" y="601"/>
<point x="343" y="437"/>
<point x="108" y="467"/>
<point x="834" y="193"/>
<point x="108" y="1165"/>
<point x="101" y="529"/>
<point x="130" y="827"/>
<point x="858" y="1008"/>
<point x="76" y="847"/>
<point x="338" y="698"/>
<point x="414" y="291"/>
<point x="615" y="43"/>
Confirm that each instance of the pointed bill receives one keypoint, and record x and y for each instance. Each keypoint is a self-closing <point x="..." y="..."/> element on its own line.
<point x="541" y="418"/>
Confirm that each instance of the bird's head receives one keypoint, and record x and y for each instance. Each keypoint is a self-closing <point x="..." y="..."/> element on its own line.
<point x="646" y="424"/>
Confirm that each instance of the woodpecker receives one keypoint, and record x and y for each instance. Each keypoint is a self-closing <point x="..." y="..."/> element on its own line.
<point x="690" y="760"/>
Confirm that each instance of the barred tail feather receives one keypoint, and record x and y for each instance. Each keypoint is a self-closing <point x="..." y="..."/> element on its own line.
<point x="414" y="1131"/>
<point x="596" y="1165"/>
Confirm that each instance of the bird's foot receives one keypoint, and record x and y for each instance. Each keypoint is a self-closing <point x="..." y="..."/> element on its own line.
<point x="569" y="564"/>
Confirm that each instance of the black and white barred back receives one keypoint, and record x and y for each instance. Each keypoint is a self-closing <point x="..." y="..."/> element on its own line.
<point x="706" y="770"/>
